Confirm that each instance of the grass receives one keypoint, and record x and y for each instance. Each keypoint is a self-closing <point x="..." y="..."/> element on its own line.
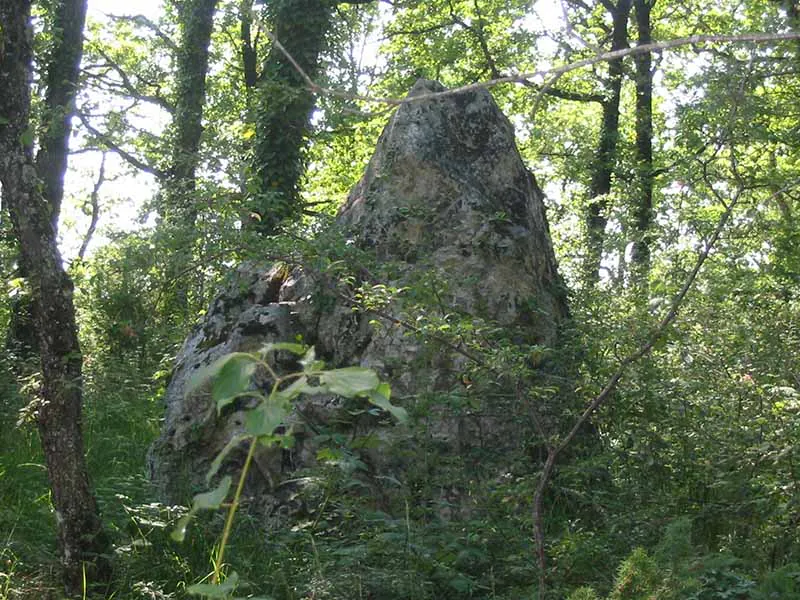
<point x="121" y="418"/>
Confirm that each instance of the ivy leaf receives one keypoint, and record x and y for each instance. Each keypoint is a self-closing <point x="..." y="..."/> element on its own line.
<point x="27" y="137"/>
<point x="350" y="381"/>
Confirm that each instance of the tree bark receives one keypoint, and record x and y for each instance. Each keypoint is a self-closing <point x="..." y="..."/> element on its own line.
<point x="285" y="108"/>
<point x="606" y="154"/>
<point x="51" y="160"/>
<point x="62" y="85"/>
<point x="84" y="546"/>
<point x="196" y="20"/>
<point x="643" y="207"/>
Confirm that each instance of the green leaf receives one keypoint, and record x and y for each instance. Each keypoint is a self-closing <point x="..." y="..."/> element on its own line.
<point x="28" y="136"/>
<point x="222" y="590"/>
<point x="299" y="386"/>
<point x="310" y="362"/>
<point x="263" y="419"/>
<point x="207" y="500"/>
<point x="217" y="463"/>
<point x="204" y="374"/>
<point x="233" y="379"/>
<point x="179" y="533"/>
<point x="380" y="398"/>
<point x="298" y="349"/>
<point x="350" y="381"/>
<point x="214" y="498"/>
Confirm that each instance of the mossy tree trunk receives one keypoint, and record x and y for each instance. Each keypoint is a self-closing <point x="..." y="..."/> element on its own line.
<point x="643" y="203"/>
<point x="284" y="108"/>
<point x="196" y="22"/>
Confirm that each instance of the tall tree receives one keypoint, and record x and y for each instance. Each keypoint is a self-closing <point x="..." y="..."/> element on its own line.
<point x="196" y="22"/>
<point x="643" y="203"/>
<point x="605" y="158"/>
<point x="283" y="118"/>
<point x="32" y="192"/>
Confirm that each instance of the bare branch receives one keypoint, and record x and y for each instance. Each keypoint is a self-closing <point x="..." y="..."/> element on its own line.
<point x="128" y="87"/>
<point x="554" y="74"/>
<point x="94" y="201"/>
<point x="127" y="156"/>
<point x="143" y="21"/>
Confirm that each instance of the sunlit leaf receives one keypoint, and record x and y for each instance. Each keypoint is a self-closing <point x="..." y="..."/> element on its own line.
<point x="204" y="374"/>
<point x="380" y="398"/>
<point x="350" y="381"/>
<point x="213" y="499"/>
<point x="298" y="349"/>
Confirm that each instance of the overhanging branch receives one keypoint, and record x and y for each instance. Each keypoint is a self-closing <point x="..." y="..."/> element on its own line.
<point x="127" y="156"/>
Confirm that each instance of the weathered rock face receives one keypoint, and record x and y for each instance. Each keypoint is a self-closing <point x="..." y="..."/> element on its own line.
<point x="446" y="198"/>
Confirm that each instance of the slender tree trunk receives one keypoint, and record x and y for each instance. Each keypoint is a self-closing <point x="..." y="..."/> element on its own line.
<point x="196" y="19"/>
<point x="51" y="160"/>
<point x="606" y="154"/>
<point x="643" y="207"/>
<point x="84" y="546"/>
<point x="249" y="56"/>
<point x="62" y="83"/>
<point x="283" y="118"/>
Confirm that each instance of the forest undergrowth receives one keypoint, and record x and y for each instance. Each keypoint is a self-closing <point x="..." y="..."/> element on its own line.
<point x="689" y="491"/>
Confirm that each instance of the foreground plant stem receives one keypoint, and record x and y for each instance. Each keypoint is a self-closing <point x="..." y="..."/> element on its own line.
<point x="226" y="532"/>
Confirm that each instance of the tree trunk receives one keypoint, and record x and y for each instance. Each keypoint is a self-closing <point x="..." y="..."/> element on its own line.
<point x="643" y="207"/>
<point x="282" y="120"/>
<point x="84" y="545"/>
<point x="196" y="20"/>
<point x="606" y="154"/>
<point x="51" y="160"/>
<point x="249" y="56"/>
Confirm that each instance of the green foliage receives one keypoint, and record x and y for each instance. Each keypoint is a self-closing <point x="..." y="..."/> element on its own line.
<point x="783" y="583"/>
<point x="231" y="377"/>
<point x="638" y="578"/>
<point x="584" y="593"/>
<point x="702" y="435"/>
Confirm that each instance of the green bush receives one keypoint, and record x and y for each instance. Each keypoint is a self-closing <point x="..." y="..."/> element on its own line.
<point x="584" y="593"/>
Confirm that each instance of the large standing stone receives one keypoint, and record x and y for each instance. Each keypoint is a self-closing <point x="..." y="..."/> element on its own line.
<point x="446" y="198"/>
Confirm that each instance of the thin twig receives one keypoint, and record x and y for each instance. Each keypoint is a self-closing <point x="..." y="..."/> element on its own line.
<point x="554" y="74"/>
<point x="95" y="205"/>
<point x="106" y="140"/>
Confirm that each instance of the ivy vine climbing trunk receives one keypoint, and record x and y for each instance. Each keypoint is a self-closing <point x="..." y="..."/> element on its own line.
<point x="606" y="154"/>
<point x="643" y="206"/>
<point x="196" y="22"/>
<point x="285" y="107"/>
<point x="84" y="546"/>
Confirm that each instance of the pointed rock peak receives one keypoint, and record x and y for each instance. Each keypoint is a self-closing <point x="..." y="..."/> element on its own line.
<point x="447" y="188"/>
